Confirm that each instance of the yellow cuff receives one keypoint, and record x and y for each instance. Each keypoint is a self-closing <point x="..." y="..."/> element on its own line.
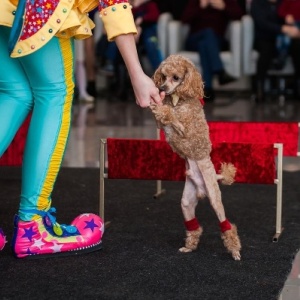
<point x="7" y="13"/>
<point x="117" y="20"/>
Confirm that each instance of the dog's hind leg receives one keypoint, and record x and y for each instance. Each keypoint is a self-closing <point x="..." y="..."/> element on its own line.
<point x="229" y="232"/>
<point x="195" y="176"/>
<point x="189" y="202"/>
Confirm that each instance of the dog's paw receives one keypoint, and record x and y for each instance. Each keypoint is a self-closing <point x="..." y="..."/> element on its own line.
<point x="158" y="111"/>
<point x="232" y="242"/>
<point x="185" y="250"/>
<point x="153" y="106"/>
<point x="192" y="240"/>
<point x="236" y="255"/>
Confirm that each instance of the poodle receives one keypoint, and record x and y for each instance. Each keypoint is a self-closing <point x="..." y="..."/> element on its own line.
<point x="182" y="118"/>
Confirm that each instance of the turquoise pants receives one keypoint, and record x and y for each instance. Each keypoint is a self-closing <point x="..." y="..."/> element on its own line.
<point x="41" y="84"/>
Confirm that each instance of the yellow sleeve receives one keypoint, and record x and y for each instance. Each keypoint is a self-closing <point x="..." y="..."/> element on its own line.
<point x="117" y="20"/>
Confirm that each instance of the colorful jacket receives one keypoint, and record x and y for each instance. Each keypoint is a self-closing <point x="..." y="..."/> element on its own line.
<point x="35" y="22"/>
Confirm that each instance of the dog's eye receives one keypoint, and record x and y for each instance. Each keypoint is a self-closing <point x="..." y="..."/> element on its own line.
<point x="175" y="78"/>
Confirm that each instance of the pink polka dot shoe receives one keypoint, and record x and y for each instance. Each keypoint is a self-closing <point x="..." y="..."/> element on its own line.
<point x="45" y="237"/>
<point x="2" y="239"/>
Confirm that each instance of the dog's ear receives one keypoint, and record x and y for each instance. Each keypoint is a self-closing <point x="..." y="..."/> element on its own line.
<point x="157" y="76"/>
<point x="192" y="85"/>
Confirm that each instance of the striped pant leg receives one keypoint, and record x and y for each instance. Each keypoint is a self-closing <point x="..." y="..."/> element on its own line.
<point x="50" y="73"/>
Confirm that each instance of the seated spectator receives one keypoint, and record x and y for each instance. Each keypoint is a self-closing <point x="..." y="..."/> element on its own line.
<point x="289" y="10"/>
<point x="146" y="15"/>
<point x="268" y="26"/>
<point x="175" y="8"/>
<point x="90" y="59"/>
<point x="81" y="73"/>
<point x="208" y="20"/>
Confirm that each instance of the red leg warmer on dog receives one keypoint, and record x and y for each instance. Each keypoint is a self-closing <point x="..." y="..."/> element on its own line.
<point x="225" y="225"/>
<point x="192" y="225"/>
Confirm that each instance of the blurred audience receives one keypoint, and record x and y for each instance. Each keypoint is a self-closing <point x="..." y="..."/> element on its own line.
<point x="289" y="11"/>
<point x="81" y="73"/>
<point x="208" y="21"/>
<point x="90" y="59"/>
<point x="268" y="26"/>
<point x="146" y="14"/>
<point x="85" y="67"/>
<point x="175" y="8"/>
<point x="244" y="5"/>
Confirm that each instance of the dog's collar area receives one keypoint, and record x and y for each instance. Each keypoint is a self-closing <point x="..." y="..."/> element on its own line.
<point x="175" y="99"/>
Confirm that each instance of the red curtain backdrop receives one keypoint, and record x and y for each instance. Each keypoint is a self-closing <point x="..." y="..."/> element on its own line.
<point x="255" y="132"/>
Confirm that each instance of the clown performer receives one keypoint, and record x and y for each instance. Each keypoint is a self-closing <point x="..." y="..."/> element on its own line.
<point x="37" y="78"/>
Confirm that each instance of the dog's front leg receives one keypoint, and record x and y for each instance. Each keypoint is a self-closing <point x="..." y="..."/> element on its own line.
<point x="164" y="114"/>
<point x="189" y="202"/>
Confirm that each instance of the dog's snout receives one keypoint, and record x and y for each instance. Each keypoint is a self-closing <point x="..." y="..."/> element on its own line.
<point x="162" y="88"/>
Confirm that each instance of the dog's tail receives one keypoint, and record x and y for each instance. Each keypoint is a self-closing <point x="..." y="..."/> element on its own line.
<point x="227" y="173"/>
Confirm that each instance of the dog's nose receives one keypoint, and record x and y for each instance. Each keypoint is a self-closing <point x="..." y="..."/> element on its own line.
<point x="162" y="88"/>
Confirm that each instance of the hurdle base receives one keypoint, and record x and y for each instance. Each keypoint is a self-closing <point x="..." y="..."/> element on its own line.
<point x="159" y="194"/>
<point x="277" y="235"/>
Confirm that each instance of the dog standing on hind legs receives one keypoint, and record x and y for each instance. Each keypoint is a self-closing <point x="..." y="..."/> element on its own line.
<point x="182" y="118"/>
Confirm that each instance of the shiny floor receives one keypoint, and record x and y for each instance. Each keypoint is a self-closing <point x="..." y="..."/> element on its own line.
<point x="111" y="117"/>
